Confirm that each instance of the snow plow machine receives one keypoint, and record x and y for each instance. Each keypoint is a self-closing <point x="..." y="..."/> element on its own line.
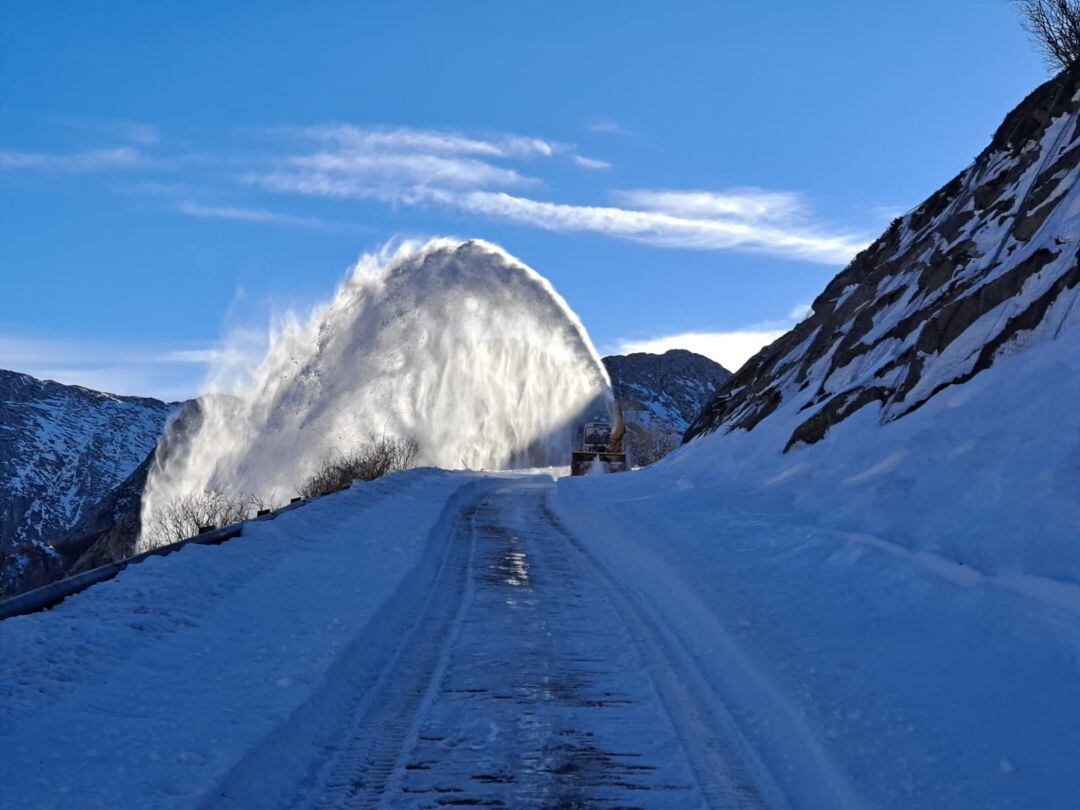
<point x="600" y="445"/>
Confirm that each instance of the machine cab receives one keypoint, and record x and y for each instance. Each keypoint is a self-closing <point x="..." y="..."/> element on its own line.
<point x="596" y="436"/>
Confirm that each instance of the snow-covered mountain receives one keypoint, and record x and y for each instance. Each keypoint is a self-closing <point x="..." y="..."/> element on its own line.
<point x="984" y="268"/>
<point x="875" y="525"/>
<point x="660" y="395"/>
<point x="63" y="449"/>
<point x="930" y="400"/>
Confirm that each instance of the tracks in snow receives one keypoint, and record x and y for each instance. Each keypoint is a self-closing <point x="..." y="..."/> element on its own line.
<point x="525" y="677"/>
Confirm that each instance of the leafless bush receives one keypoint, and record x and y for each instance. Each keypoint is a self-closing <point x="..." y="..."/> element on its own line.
<point x="648" y="443"/>
<point x="373" y="459"/>
<point x="186" y="515"/>
<point x="1054" y="26"/>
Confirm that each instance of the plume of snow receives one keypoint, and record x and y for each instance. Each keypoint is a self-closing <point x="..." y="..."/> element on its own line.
<point x="457" y="345"/>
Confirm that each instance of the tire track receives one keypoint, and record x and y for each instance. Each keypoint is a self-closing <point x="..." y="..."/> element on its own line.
<point x="728" y="769"/>
<point x="358" y="774"/>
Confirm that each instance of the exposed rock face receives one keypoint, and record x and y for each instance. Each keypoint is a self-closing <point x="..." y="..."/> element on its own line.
<point x="984" y="267"/>
<point x="62" y="449"/>
<point x="28" y="566"/>
<point x="110" y="531"/>
<point x="661" y="394"/>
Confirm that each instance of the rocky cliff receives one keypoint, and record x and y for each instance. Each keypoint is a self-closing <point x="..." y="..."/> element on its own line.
<point x="985" y="267"/>
<point x="62" y="449"/>
<point x="661" y="394"/>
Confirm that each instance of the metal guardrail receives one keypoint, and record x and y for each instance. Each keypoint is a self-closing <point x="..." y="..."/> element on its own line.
<point x="51" y="595"/>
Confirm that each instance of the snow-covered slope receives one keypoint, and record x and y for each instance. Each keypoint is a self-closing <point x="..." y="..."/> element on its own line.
<point x="62" y="449"/>
<point x="872" y="537"/>
<point x="660" y="395"/>
<point x="147" y="690"/>
<point x="985" y="268"/>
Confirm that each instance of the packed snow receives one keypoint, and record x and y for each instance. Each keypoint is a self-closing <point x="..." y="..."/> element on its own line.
<point x="145" y="691"/>
<point x="887" y="618"/>
<point x="893" y="612"/>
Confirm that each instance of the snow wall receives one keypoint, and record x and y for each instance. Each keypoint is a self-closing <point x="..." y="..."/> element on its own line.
<point x="456" y="344"/>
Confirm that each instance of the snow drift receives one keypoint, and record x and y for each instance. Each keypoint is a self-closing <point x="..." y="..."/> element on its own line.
<point x="457" y="345"/>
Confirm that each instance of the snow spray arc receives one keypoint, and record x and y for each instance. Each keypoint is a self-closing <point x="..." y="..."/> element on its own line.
<point x="457" y="344"/>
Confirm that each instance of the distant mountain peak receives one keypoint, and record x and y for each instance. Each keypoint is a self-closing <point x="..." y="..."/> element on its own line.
<point x="63" y="448"/>
<point x="661" y="394"/>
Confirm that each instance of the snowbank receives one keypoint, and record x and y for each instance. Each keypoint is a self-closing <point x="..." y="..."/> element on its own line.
<point x="145" y="691"/>
<point x="986" y="474"/>
<point x="893" y="612"/>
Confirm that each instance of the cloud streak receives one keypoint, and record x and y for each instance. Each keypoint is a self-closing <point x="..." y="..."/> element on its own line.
<point x="123" y="157"/>
<point x="413" y="169"/>
<point x="479" y="175"/>
<point x="767" y="229"/>
<point x="591" y="163"/>
<point x="169" y="373"/>
<point x="602" y="125"/>
<point x="433" y="141"/>
<point x="744" y="203"/>
<point x="258" y="215"/>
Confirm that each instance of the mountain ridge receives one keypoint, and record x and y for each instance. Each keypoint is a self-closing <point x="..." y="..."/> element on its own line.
<point x="986" y="265"/>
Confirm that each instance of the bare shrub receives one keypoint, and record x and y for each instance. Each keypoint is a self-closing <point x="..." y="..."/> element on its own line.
<point x="373" y="459"/>
<point x="1054" y="26"/>
<point x="186" y="515"/>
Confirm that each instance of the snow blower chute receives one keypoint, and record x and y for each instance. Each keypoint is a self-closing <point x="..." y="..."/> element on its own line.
<point x="600" y="445"/>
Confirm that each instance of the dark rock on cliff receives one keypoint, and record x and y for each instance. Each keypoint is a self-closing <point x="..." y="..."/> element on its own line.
<point x="661" y="394"/>
<point x="986" y="265"/>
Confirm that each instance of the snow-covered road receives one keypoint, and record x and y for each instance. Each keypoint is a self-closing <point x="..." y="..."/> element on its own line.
<point x="436" y="638"/>
<point x="522" y="679"/>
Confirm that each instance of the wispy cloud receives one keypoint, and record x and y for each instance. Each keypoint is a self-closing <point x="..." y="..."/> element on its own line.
<point x="166" y="372"/>
<point x="258" y="215"/>
<point x="123" y="157"/>
<point x="591" y="163"/>
<point x="434" y="141"/>
<point x="481" y="175"/>
<point x="744" y="203"/>
<point x="602" y="125"/>
<point x="663" y="229"/>
<point x="141" y="134"/>
<point x="413" y="168"/>
<point x="759" y="233"/>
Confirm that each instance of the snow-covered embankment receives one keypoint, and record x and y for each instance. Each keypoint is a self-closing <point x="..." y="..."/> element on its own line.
<point x="146" y="691"/>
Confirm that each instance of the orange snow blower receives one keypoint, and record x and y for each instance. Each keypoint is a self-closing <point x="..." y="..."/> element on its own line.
<point x="600" y="445"/>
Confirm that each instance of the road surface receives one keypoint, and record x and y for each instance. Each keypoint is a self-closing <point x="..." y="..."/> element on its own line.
<point x="524" y="677"/>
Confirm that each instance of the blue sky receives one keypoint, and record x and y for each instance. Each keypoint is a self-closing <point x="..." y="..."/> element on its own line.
<point x="685" y="173"/>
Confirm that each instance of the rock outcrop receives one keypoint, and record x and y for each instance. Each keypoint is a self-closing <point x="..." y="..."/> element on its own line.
<point x="661" y="394"/>
<point x="984" y="267"/>
<point x="62" y="449"/>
